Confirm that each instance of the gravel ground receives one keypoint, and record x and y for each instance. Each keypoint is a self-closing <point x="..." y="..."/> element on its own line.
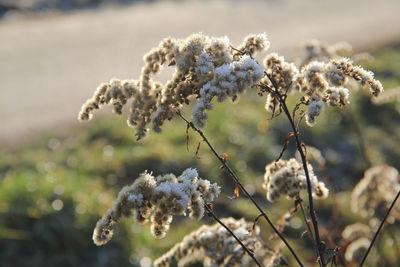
<point x="50" y="65"/>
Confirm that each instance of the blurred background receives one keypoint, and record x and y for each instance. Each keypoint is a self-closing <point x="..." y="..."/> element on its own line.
<point x="58" y="176"/>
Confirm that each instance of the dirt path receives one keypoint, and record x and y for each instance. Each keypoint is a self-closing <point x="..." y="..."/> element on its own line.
<point x="49" y="66"/>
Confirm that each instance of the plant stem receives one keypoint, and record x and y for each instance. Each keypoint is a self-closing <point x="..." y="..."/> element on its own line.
<point x="300" y="201"/>
<point x="379" y="228"/>
<point x="248" y="251"/>
<point x="233" y="175"/>
<point x="282" y="102"/>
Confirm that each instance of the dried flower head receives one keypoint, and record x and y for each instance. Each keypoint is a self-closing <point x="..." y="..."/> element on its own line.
<point x="313" y="155"/>
<point x="358" y="235"/>
<point x="283" y="74"/>
<point x="316" y="50"/>
<point x="392" y="95"/>
<point x="321" y="51"/>
<point x="205" y="67"/>
<point x="275" y="260"/>
<point x="287" y="177"/>
<point x="159" y="197"/>
<point x="323" y="83"/>
<point x="214" y="246"/>
<point x="375" y="191"/>
<point x="253" y="43"/>
<point x="356" y="250"/>
<point x="355" y="231"/>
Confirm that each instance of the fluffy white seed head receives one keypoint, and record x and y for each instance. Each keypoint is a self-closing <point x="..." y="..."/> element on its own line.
<point x="323" y="83"/>
<point x="229" y="80"/>
<point x="160" y="198"/>
<point x="314" y="156"/>
<point x="200" y="62"/>
<point x="392" y="95"/>
<point x="287" y="178"/>
<point x="321" y="51"/>
<point x="375" y="191"/>
<point x="355" y="231"/>
<point x="356" y="250"/>
<point x="314" y="109"/>
<point x="214" y="246"/>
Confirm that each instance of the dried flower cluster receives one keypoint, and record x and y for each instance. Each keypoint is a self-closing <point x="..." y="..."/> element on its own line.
<point x="356" y="250"/>
<point x="358" y="237"/>
<point x="355" y="231"/>
<point x="316" y="50"/>
<point x="205" y="68"/>
<point x="321" y="82"/>
<point x="161" y="197"/>
<point x="392" y="95"/>
<point x="313" y="155"/>
<point x="374" y="193"/>
<point x="275" y="260"/>
<point x="284" y="75"/>
<point x="320" y="51"/>
<point x="214" y="246"/>
<point x="287" y="177"/>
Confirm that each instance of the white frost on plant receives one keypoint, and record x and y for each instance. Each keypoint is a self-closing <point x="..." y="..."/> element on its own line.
<point x="287" y="177"/>
<point x="214" y="246"/>
<point x="160" y="198"/>
<point x="229" y="80"/>
<point x="199" y="60"/>
<point x="313" y="110"/>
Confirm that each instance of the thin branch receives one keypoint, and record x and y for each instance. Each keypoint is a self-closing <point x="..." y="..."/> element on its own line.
<point x="248" y="251"/>
<point x="303" y="158"/>
<point x="300" y="201"/>
<point x="233" y="175"/>
<point x="285" y="146"/>
<point x="379" y="228"/>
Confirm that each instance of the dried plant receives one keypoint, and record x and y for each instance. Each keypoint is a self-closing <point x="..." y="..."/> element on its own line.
<point x="287" y="177"/>
<point x="391" y="95"/>
<point x="214" y="246"/>
<point x="356" y="250"/>
<point x="208" y="68"/>
<point x="355" y="231"/>
<point x="314" y="156"/>
<point x="316" y="50"/>
<point x="205" y="68"/>
<point x="160" y="197"/>
<point x="375" y="191"/>
<point x="358" y="236"/>
<point x="320" y="82"/>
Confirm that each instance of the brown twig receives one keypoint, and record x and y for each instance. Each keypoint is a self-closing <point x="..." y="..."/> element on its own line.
<point x="303" y="158"/>
<point x="379" y="229"/>
<point x="233" y="175"/>
<point x="285" y="146"/>
<point x="211" y="213"/>
<point x="300" y="201"/>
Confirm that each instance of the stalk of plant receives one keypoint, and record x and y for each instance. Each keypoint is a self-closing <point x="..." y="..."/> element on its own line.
<point x="236" y="179"/>
<point x="379" y="228"/>
<point x="299" y="144"/>
<point x="211" y="213"/>
<point x="208" y="68"/>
